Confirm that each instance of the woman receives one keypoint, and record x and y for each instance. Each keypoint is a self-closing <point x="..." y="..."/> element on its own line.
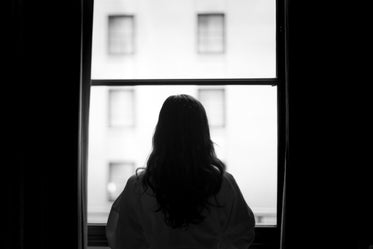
<point x="184" y="198"/>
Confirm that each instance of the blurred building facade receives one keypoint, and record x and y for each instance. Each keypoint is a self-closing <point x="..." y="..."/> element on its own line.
<point x="184" y="39"/>
<point x="144" y="39"/>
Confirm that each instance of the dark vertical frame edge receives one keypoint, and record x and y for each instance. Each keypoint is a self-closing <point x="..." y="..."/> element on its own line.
<point x="283" y="113"/>
<point x="84" y="91"/>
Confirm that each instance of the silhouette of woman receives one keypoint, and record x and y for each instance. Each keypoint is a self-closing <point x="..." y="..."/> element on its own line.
<point x="184" y="198"/>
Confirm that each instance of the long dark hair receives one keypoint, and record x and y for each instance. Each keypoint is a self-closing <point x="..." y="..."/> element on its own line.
<point x="183" y="170"/>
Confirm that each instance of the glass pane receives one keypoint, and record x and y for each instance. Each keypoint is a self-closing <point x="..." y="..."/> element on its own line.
<point x="119" y="173"/>
<point x="121" y="107"/>
<point x="243" y="125"/>
<point x="211" y="32"/>
<point x="214" y="102"/>
<point x="190" y="39"/>
<point x="120" y="34"/>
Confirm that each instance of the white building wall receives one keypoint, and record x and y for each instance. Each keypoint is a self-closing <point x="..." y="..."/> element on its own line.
<point x="166" y="37"/>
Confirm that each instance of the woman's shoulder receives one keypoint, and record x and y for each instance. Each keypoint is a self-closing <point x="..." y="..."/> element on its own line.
<point x="135" y="182"/>
<point x="136" y="177"/>
<point x="228" y="186"/>
<point x="228" y="178"/>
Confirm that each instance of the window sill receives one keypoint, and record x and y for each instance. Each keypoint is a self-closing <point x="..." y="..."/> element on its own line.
<point x="266" y="237"/>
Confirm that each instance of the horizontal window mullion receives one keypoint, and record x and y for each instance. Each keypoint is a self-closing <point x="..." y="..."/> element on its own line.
<point x="134" y="82"/>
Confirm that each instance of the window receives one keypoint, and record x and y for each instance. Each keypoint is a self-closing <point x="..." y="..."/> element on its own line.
<point x="214" y="102"/>
<point x="121" y="34"/>
<point x="237" y="74"/>
<point x="119" y="172"/>
<point x="184" y="40"/>
<point x="247" y="143"/>
<point x="121" y="108"/>
<point x="211" y="33"/>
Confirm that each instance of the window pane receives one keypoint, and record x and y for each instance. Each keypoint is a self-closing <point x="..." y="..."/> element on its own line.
<point x="214" y="102"/>
<point x="247" y="142"/>
<point x="184" y="39"/>
<point x="121" y="107"/>
<point x="121" y="35"/>
<point x="211" y="33"/>
<point x="119" y="172"/>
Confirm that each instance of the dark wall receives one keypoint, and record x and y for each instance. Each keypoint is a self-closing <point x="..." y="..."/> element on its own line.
<point x="41" y="118"/>
<point x="329" y="187"/>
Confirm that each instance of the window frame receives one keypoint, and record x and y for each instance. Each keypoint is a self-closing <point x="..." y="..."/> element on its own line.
<point x="267" y="237"/>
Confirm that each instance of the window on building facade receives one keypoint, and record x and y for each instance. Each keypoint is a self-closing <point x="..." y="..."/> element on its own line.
<point x="211" y="33"/>
<point x="121" y="34"/>
<point x="119" y="173"/>
<point x="214" y="102"/>
<point x="121" y="108"/>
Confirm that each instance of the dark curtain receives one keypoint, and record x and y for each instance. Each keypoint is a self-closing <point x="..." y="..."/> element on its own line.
<point x="43" y="133"/>
<point x="328" y="190"/>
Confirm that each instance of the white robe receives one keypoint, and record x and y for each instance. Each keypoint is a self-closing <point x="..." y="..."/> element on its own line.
<point x="132" y="223"/>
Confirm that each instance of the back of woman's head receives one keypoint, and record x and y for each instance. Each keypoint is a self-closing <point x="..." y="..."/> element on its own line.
<point x="183" y="170"/>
